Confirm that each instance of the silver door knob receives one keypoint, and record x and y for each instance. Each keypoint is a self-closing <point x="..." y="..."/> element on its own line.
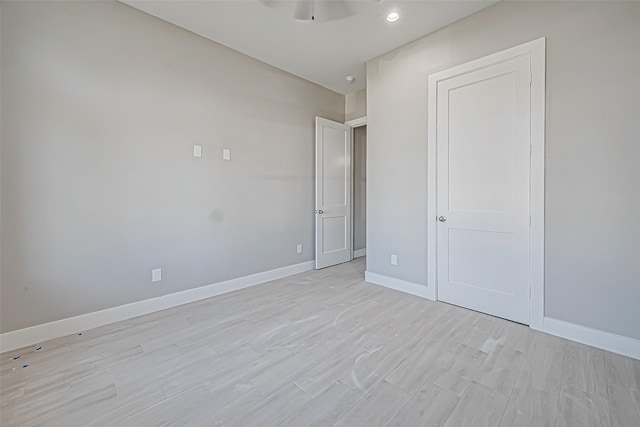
<point x="320" y="211"/>
<point x="442" y="218"/>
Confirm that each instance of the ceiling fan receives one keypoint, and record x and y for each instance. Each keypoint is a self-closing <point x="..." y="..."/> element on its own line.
<point x="312" y="10"/>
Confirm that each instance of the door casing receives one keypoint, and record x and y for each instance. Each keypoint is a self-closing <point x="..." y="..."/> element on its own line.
<point x="354" y="123"/>
<point x="536" y="51"/>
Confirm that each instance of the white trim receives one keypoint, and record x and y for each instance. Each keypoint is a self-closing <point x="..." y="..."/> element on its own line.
<point x="432" y="243"/>
<point x="47" y="331"/>
<point x="360" y="253"/>
<point x="536" y="50"/>
<point x="596" y="338"/>
<point x="397" y="284"/>
<point x="536" y="232"/>
<point x="355" y="123"/>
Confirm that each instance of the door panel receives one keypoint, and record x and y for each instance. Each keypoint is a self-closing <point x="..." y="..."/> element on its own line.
<point x="483" y="162"/>
<point x="333" y="193"/>
<point x="481" y="175"/>
<point x="487" y="271"/>
<point x="333" y="233"/>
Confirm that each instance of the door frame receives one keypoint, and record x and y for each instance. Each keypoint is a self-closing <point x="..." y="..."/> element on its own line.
<point x="536" y="51"/>
<point x="355" y="123"/>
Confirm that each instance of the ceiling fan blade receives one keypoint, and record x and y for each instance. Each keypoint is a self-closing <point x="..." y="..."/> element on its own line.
<point x="312" y="10"/>
<point x="303" y="10"/>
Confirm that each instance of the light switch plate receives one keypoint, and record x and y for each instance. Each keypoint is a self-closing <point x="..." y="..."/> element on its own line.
<point x="197" y="151"/>
<point x="156" y="275"/>
<point x="394" y="259"/>
<point x="299" y="248"/>
<point x="226" y="154"/>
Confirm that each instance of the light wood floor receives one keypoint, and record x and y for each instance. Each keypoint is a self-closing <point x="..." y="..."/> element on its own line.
<point x="321" y="348"/>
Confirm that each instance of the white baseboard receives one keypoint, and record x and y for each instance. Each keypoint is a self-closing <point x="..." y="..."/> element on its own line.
<point x="398" y="284"/>
<point x="360" y="253"/>
<point x="39" y="333"/>
<point x="594" y="337"/>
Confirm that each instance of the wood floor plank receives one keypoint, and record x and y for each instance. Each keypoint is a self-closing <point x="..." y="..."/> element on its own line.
<point x="143" y="372"/>
<point x="516" y="336"/>
<point x="12" y="391"/>
<point x="377" y="408"/>
<point x="335" y="412"/>
<point x="542" y="367"/>
<point x="272" y="410"/>
<point x="485" y="332"/>
<point x="584" y="369"/>
<point x="456" y="372"/>
<point x="617" y="370"/>
<point x="231" y="402"/>
<point x="125" y="407"/>
<point x="634" y="370"/>
<point x="187" y="408"/>
<point x="95" y="393"/>
<point x="372" y="367"/>
<point x="420" y="365"/>
<point x="579" y="408"/>
<point x="377" y="334"/>
<point x="276" y="376"/>
<point x="45" y="409"/>
<point x="323" y="375"/>
<point x="479" y="406"/>
<point x="285" y="332"/>
<point x="500" y="369"/>
<point x="325" y="409"/>
<point x="412" y="313"/>
<point x="430" y="406"/>
<point x="531" y="407"/>
<point x="624" y="406"/>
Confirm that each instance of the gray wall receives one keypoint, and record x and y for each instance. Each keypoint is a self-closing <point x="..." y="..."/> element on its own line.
<point x="592" y="151"/>
<point x="355" y="105"/>
<point x="360" y="188"/>
<point x="101" y="107"/>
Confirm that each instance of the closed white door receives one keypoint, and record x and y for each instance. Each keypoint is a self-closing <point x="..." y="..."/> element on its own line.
<point x="483" y="191"/>
<point x="333" y="193"/>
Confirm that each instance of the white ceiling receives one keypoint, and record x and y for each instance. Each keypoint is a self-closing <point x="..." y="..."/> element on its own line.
<point x="344" y="36"/>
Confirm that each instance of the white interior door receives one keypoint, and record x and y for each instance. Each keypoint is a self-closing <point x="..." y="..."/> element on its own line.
<point x="483" y="191"/>
<point x="333" y="193"/>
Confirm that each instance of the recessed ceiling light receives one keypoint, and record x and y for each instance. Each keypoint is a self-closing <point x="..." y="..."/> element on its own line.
<point x="393" y="17"/>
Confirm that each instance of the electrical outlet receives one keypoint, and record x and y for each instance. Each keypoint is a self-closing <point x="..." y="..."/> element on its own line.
<point x="197" y="151"/>
<point x="300" y="248"/>
<point x="226" y="154"/>
<point x="394" y="259"/>
<point x="156" y="275"/>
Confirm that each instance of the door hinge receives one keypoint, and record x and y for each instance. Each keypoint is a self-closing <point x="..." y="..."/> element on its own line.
<point x="530" y="77"/>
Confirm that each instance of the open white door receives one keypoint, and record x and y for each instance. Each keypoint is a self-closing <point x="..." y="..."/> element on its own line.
<point x="333" y="193"/>
<point x="483" y="187"/>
